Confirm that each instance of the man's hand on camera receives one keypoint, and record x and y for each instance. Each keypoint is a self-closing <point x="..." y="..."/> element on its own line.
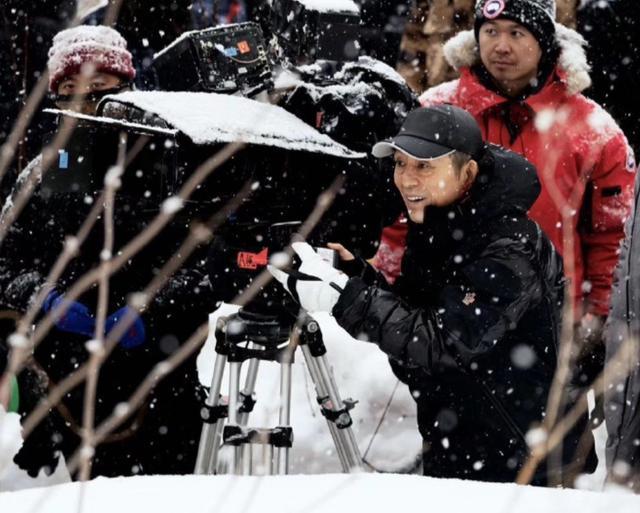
<point x="316" y="285"/>
<point x="344" y="254"/>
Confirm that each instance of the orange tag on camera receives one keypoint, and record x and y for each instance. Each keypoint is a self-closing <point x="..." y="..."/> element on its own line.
<point x="252" y="261"/>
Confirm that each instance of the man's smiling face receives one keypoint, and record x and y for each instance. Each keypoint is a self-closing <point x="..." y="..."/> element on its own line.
<point x="425" y="183"/>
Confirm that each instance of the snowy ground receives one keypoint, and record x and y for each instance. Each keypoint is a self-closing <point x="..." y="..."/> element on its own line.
<point x="361" y="372"/>
<point x="318" y="494"/>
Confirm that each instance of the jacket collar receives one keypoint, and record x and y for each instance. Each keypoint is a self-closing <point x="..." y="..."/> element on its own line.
<point x="477" y="98"/>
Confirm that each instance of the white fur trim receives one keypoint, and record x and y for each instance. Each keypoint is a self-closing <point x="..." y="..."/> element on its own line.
<point x="462" y="51"/>
<point x="573" y="59"/>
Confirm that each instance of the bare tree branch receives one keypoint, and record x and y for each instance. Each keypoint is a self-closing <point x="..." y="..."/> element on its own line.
<point x="22" y="349"/>
<point x="568" y="208"/>
<point x="8" y="149"/>
<point x="616" y="370"/>
<point x="198" y="234"/>
<point x="95" y="347"/>
<point x="124" y="410"/>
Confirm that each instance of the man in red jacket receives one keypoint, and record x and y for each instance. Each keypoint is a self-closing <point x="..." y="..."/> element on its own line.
<point x="521" y="77"/>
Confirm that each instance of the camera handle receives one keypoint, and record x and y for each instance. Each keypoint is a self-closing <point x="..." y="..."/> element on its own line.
<point x="246" y="336"/>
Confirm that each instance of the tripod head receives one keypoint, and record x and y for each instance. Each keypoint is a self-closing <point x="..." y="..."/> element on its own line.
<point x="269" y="338"/>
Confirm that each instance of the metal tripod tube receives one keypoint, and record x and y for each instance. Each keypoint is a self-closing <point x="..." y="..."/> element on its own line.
<point x="267" y="459"/>
<point x="234" y="390"/>
<point x="348" y="438"/>
<point x="246" y="455"/>
<point x="249" y="386"/>
<point x="285" y="414"/>
<point x="321" y="391"/>
<point x="207" y="459"/>
<point x="344" y="439"/>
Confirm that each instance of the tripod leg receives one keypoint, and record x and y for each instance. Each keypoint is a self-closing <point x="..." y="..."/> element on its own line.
<point x="267" y="459"/>
<point x="344" y="438"/>
<point x="285" y="414"/>
<point x="210" y="435"/>
<point x="249" y="387"/>
<point x="246" y="455"/>
<point x="321" y="392"/>
<point x="348" y="439"/>
<point x="234" y="390"/>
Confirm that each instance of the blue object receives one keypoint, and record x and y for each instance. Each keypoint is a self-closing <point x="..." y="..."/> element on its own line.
<point x="63" y="159"/>
<point x="77" y="319"/>
<point x="135" y="334"/>
<point x="80" y="320"/>
<point x="231" y="52"/>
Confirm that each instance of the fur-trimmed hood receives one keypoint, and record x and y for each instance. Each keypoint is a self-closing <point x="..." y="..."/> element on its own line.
<point x="462" y="51"/>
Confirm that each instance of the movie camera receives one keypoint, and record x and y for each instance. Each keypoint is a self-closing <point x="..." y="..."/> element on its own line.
<point x="238" y="58"/>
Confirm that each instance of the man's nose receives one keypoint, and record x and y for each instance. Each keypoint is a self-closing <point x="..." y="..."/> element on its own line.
<point x="503" y="45"/>
<point x="408" y="180"/>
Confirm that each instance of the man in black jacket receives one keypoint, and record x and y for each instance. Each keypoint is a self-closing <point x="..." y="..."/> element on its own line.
<point x="472" y="323"/>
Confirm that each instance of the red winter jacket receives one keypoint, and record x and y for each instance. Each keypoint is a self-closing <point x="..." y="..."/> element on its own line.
<point x="583" y="159"/>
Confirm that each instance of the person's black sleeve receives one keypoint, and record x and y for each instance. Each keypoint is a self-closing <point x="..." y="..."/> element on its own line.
<point x="360" y="268"/>
<point x="26" y="252"/>
<point x="488" y="298"/>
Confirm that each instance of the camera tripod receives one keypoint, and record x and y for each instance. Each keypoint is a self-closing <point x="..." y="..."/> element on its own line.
<point x="252" y="337"/>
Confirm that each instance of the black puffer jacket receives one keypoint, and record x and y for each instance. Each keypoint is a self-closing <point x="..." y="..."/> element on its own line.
<point x="472" y="324"/>
<point x="165" y="435"/>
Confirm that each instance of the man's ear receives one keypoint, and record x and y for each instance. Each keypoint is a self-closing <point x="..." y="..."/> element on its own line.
<point x="470" y="172"/>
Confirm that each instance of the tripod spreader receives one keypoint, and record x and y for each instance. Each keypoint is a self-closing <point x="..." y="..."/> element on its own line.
<point x="281" y="436"/>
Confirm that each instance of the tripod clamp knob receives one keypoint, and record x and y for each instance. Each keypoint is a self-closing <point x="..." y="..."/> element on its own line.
<point x="341" y="418"/>
<point x="212" y="414"/>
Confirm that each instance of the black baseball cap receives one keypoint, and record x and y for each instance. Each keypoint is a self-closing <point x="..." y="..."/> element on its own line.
<point x="432" y="132"/>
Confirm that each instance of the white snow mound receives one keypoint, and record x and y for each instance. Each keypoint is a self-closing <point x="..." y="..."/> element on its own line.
<point x="12" y="477"/>
<point x="320" y="494"/>
<point x="346" y="6"/>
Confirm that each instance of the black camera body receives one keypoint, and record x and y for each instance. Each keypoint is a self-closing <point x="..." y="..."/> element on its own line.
<point x="309" y="34"/>
<point x="290" y="184"/>
<point x="287" y="186"/>
<point x="81" y="166"/>
<point x="224" y="59"/>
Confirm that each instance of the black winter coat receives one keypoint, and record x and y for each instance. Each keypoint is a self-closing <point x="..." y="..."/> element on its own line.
<point x="472" y="324"/>
<point x="622" y="389"/>
<point x="164" y="437"/>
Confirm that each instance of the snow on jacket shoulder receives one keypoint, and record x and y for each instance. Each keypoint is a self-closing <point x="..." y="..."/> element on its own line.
<point x="583" y="158"/>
